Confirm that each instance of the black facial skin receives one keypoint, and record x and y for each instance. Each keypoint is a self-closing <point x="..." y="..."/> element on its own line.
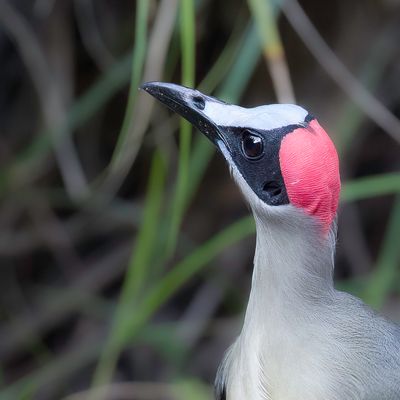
<point x="254" y="152"/>
<point x="263" y="173"/>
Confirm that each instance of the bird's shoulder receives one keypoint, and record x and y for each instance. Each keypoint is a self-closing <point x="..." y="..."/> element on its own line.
<point x="358" y="326"/>
<point x="348" y="306"/>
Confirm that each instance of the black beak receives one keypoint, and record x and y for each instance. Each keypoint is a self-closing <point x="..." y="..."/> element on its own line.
<point x="188" y="103"/>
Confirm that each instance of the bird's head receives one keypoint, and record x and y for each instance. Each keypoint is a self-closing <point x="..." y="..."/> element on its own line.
<point x="281" y="158"/>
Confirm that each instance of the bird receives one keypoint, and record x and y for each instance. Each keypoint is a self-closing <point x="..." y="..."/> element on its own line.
<point x="301" y="339"/>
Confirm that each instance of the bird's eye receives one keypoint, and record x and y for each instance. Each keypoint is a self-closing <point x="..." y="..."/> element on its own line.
<point x="252" y="146"/>
<point x="199" y="102"/>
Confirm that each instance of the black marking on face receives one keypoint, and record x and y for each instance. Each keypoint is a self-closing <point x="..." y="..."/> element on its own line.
<point x="308" y="118"/>
<point x="255" y="153"/>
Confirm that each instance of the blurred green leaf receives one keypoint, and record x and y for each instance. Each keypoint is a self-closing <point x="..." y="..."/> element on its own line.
<point x="385" y="272"/>
<point x="87" y="105"/>
<point x="244" y="67"/>
<point x="138" y="57"/>
<point x="263" y="14"/>
<point x="143" y="251"/>
<point x="137" y="270"/>
<point x="188" y="45"/>
<point x="351" y="117"/>
<point x="371" y="186"/>
<point x="193" y="390"/>
<point x="183" y="271"/>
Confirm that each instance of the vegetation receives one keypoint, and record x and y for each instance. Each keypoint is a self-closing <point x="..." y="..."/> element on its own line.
<point x="126" y="249"/>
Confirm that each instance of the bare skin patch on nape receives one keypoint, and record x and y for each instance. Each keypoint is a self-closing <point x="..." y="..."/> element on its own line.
<point x="310" y="170"/>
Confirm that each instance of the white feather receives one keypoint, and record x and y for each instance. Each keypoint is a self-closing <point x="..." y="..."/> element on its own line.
<point x="264" y="117"/>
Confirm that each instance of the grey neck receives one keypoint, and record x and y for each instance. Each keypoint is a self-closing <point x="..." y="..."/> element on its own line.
<point x="293" y="267"/>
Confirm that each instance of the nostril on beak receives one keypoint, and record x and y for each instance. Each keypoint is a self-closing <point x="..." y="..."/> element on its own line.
<point x="199" y="102"/>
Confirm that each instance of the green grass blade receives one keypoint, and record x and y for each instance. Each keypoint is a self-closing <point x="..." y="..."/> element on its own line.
<point x="97" y="96"/>
<point x="274" y="53"/>
<point x="192" y="389"/>
<point x="129" y="322"/>
<point x="139" y="264"/>
<point x="188" y="41"/>
<point x="226" y="58"/>
<point x="371" y="186"/>
<point x="138" y="57"/>
<point x="243" y="68"/>
<point x="187" y="34"/>
<point x="138" y="267"/>
<point x="86" y="106"/>
<point x="166" y="287"/>
<point x="351" y="116"/>
<point x="263" y="14"/>
<point x="381" y="279"/>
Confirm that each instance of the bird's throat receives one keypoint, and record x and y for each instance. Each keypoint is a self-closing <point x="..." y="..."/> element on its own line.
<point x="293" y="267"/>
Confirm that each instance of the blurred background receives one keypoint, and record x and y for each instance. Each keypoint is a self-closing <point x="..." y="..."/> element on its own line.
<point x="126" y="250"/>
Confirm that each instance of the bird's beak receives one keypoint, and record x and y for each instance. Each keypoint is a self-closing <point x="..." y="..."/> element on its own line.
<point x="188" y="103"/>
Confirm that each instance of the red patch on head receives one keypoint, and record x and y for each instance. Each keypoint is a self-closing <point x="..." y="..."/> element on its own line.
<point x="310" y="170"/>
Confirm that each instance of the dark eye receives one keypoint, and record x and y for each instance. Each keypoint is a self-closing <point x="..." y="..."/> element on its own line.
<point x="199" y="102"/>
<point x="252" y="146"/>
